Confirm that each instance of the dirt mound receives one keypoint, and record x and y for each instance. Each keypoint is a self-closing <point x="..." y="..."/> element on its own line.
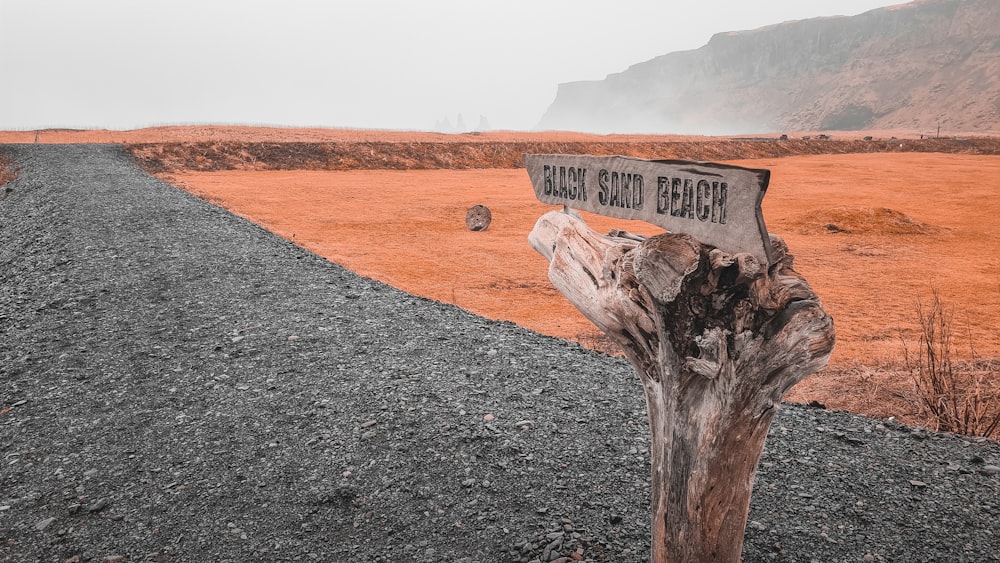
<point x="861" y="220"/>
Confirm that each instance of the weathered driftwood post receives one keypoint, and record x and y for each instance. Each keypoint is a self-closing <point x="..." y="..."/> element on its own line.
<point x="717" y="336"/>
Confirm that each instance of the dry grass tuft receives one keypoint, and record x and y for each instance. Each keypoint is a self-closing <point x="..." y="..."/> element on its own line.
<point x="958" y="397"/>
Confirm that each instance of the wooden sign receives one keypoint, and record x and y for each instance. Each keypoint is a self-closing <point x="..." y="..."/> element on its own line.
<point x="716" y="203"/>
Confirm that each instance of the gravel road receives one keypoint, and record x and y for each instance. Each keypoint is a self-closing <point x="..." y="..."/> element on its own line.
<point x="178" y="384"/>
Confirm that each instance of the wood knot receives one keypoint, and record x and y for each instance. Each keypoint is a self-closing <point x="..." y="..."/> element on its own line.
<point x="728" y="270"/>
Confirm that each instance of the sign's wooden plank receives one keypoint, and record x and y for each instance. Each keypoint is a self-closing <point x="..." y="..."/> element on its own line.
<point x="716" y="203"/>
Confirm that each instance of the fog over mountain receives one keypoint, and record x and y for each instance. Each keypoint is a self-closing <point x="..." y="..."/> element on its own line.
<point x="913" y="66"/>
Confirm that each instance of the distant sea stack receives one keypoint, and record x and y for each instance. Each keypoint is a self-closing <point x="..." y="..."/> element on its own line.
<point x="913" y="66"/>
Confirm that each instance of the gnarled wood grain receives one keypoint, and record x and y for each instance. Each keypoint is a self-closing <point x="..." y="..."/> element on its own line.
<point x="717" y="340"/>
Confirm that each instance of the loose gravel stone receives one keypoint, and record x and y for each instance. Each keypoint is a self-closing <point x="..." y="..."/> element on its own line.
<point x="43" y="524"/>
<point x="146" y="335"/>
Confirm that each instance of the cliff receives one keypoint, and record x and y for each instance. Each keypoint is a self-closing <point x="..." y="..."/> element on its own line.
<point x="911" y="66"/>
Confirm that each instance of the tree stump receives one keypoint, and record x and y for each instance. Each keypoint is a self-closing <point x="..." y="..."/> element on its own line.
<point x="478" y="218"/>
<point x="717" y="341"/>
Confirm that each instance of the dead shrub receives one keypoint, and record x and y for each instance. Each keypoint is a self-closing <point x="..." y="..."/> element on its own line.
<point x="957" y="397"/>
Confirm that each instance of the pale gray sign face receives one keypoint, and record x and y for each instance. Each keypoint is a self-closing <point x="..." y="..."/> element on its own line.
<point x="716" y="203"/>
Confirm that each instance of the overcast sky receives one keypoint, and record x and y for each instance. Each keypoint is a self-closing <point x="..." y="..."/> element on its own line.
<point x="382" y="64"/>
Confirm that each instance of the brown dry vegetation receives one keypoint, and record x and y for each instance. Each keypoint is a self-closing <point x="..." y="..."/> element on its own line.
<point x="953" y="396"/>
<point x="7" y="171"/>
<point x="460" y="155"/>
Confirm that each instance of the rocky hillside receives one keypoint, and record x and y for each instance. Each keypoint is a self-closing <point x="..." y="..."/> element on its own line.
<point x="914" y="66"/>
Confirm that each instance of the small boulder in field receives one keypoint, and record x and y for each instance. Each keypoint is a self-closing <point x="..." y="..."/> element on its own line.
<point x="478" y="218"/>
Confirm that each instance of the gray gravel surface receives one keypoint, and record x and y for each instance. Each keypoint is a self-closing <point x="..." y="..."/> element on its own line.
<point x="181" y="385"/>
